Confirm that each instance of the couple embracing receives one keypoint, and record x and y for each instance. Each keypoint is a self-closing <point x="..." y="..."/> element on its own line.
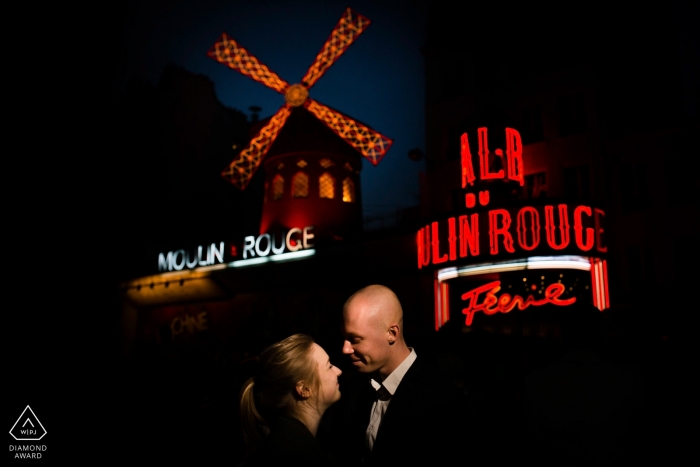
<point x="400" y="410"/>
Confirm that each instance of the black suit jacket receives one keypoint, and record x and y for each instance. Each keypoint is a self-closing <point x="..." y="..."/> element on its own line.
<point x="427" y="420"/>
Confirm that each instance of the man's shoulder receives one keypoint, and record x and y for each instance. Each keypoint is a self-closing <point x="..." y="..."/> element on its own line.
<point x="426" y="377"/>
<point x="428" y="365"/>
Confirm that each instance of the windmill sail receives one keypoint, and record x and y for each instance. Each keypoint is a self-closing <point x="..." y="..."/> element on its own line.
<point x="368" y="142"/>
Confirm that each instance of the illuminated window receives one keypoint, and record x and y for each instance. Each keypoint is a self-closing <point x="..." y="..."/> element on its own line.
<point x="280" y="166"/>
<point x="348" y="191"/>
<point x="347" y="167"/>
<point x="325" y="163"/>
<point x="277" y="187"/>
<point x="326" y="186"/>
<point x="302" y="163"/>
<point x="300" y="185"/>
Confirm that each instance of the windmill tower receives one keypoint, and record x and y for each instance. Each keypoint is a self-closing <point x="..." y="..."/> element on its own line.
<point x="312" y="169"/>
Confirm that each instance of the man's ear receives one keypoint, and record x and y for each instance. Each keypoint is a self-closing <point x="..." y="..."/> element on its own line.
<point x="303" y="390"/>
<point x="393" y="333"/>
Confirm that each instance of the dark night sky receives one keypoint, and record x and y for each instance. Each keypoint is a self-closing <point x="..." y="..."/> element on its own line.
<point x="379" y="80"/>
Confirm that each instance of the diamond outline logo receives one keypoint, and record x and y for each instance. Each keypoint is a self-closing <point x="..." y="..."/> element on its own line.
<point x="30" y="422"/>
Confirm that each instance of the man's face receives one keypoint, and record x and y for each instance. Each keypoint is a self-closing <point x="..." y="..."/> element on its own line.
<point x="366" y="342"/>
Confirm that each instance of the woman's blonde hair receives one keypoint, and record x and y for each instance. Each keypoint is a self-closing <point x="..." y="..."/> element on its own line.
<point x="273" y="390"/>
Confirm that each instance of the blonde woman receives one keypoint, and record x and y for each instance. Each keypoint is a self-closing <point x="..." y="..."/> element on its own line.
<point x="282" y="406"/>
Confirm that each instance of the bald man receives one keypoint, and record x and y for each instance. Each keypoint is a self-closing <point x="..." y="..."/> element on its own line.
<point x="401" y="411"/>
<point x="373" y="331"/>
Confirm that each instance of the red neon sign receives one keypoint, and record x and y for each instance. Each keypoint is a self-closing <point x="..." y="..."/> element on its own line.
<point x="599" y="281"/>
<point x="514" y="153"/>
<point x="467" y="168"/>
<point x="437" y="259"/>
<point x="588" y="243"/>
<point x="599" y="214"/>
<point x="534" y="230"/>
<point x="563" y="227"/>
<point x="484" y="157"/>
<point x="511" y="231"/>
<point x="514" y="158"/>
<point x="506" y="303"/>
<point x="496" y="230"/>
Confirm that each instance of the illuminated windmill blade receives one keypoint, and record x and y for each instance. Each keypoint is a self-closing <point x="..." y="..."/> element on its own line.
<point x="350" y="26"/>
<point x="371" y="144"/>
<point x="241" y="170"/>
<point x="228" y="52"/>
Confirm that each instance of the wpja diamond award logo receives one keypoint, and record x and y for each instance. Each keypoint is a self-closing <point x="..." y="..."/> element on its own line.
<point x="28" y="428"/>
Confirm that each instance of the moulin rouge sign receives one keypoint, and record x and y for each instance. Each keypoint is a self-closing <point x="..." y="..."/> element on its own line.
<point x="274" y="244"/>
<point x="507" y="231"/>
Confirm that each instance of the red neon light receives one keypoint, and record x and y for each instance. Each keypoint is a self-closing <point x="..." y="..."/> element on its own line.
<point x="514" y="156"/>
<point x="369" y="143"/>
<point x="494" y="231"/>
<point x="470" y="200"/>
<point x="514" y="151"/>
<point x="578" y="228"/>
<point x="526" y="230"/>
<point x="436" y="286"/>
<point x="442" y="303"/>
<point x="599" y="280"/>
<point x="467" y="168"/>
<point x="437" y="259"/>
<point x="605" y="284"/>
<point x="484" y="157"/>
<point x="484" y="197"/>
<point x="469" y="235"/>
<point x="598" y="213"/>
<point x="349" y="27"/>
<point x="594" y="284"/>
<point x="419" y="247"/>
<point x="505" y="303"/>
<point x="563" y="226"/>
<point x="452" y="239"/>
<point x="423" y="240"/>
<point x="445" y="302"/>
<point x="601" y="285"/>
<point x="534" y="228"/>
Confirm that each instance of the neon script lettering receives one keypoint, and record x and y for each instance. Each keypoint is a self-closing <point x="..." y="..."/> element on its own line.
<point x="506" y="303"/>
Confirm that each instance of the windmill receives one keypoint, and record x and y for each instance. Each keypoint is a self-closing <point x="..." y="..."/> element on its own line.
<point x="360" y="138"/>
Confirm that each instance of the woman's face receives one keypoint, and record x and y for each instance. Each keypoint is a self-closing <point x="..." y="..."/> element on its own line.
<point x="329" y="389"/>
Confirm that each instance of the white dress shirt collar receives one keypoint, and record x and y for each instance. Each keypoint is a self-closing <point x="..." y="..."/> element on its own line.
<point x="392" y="381"/>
